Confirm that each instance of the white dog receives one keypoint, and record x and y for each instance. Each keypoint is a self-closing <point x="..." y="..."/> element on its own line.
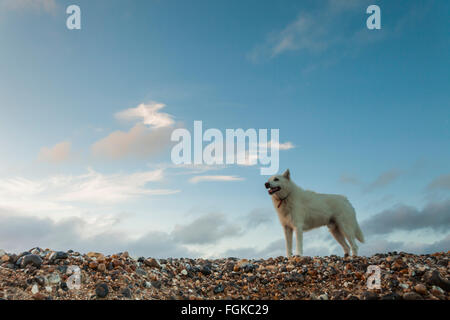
<point x="302" y="210"/>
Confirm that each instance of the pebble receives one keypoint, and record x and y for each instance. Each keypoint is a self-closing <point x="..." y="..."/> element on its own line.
<point x="34" y="289"/>
<point x="156" y="284"/>
<point x="369" y="295"/>
<point x="39" y="296"/>
<point x="141" y="272"/>
<point x="58" y="255"/>
<point x="437" y="280"/>
<point x="420" y="288"/>
<point x="403" y="286"/>
<point x="31" y="259"/>
<point x="437" y="291"/>
<point x="152" y="263"/>
<point x="206" y="270"/>
<point x="126" y="293"/>
<point x="412" y="296"/>
<point x="102" y="290"/>
<point x="101" y="267"/>
<point x="54" y="278"/>
<point x="218" y="289"/>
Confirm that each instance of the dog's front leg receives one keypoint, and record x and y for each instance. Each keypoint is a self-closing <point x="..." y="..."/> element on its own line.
<point x="299" y="237"/>
<point x="288" y="236"/>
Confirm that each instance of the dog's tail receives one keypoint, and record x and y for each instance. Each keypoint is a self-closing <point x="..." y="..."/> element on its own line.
<point x="358" y="233"/>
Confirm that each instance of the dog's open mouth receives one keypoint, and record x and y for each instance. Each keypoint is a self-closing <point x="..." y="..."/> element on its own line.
<point x="273" y="190"/>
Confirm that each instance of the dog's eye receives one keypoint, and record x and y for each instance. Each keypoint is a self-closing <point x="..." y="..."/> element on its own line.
<point x="276" y="179"/>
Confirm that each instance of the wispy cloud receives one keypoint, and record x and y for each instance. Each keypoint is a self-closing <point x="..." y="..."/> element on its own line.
<point x="59" y="153"/>
<point x="149" y="114"/>
<point x="384" y="179"/>
<point x="198" y="179"/>
<point x="349" y="179"/>
<point x="440" y="183"/>
<point x="60" y="194"/>
<point x="313" y="31"/>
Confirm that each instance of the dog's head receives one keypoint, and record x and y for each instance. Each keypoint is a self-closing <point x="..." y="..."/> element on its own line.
<point x="279" y="184"/>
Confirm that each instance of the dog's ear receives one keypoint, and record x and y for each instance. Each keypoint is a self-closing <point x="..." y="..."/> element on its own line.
<point x="287" y="174"/>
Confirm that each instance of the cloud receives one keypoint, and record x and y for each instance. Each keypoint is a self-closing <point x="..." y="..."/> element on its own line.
<point x="440" y="183"/>
<point x="198" y="179"/>
<point x="349" y="179"/>
<point x="281" y="146"/>
<point x="149" y="136"/>
<point x="149" y="114"/>
<point x="114" y="188"/>
<point x="19" y="233"/>
<point x="258" y="217"/>
<point x="207" y="229"/>
<point x="140" y="141"/>
<point x="383" y="246"/>
<point x="59" y="153"/>
<point x="48" y="6"/>
<point x="435" y="216"/>
<point x="384" y="179"/>
<point x="60" y="194"/>
<point x="252" y="159"/>
<point x="312" y="31"/>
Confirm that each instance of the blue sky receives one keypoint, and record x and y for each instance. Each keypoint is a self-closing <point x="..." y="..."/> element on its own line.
<point x="367" y="112"/>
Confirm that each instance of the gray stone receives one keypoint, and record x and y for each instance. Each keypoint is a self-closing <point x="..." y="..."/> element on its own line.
<point x="412" y="296"/>
<point x="101" y="290"/>
<point x="32" y="259"/>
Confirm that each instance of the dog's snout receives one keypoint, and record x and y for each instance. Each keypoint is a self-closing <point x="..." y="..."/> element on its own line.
<point x="267" y="185"/>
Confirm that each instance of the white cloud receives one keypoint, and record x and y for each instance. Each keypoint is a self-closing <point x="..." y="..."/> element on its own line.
<point x="99" y="188"/>
<point x="281" y="146"/>
<point x="61" y="195"/>
<point x="252" y="159"/>
<point x="59" y="153"/>
<point x="198" y="179"/>
<point x="150" y="134"/>
<point x="149" y="114"/>
<point x="139" y="141"/>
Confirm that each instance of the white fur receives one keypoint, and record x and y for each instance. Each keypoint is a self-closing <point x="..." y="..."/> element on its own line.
<point x="303" y="210"/>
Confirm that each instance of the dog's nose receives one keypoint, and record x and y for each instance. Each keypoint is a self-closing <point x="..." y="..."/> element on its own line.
<point x="267" y="185"/>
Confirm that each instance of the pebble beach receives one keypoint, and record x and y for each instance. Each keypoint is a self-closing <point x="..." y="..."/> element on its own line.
<point x="44" y="274"/>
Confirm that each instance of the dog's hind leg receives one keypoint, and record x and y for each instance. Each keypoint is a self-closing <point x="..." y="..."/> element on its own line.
<point x="288" y="237"/>
<point x="351" y="239"/>
<point x="336" y="233"/>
